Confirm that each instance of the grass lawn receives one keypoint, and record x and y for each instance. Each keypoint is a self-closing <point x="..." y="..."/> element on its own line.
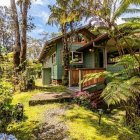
<point x="82" y="123"/>
<point x="34" y="115"/>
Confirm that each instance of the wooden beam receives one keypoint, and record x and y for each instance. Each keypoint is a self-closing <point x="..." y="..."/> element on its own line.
<point x="80" y="78"/>
<point x="70" y="78"/>
<point x="105" y="57"/>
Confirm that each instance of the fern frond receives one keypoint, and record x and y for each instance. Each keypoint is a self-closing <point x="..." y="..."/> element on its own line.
<point x="121" y="90"/>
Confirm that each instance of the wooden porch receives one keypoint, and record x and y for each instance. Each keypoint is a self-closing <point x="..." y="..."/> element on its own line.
<point x="77" y="75"/>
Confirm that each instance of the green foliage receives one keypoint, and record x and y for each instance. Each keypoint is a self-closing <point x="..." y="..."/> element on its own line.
<point x="119" y="90"/>
<point x="6" y="108"/>
<point x="82" y="98"/>
<point x="123" y="85"/>
<point x="33" y="115"/>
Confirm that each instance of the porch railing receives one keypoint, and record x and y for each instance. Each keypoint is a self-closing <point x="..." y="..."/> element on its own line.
<point x="77" y="75"/>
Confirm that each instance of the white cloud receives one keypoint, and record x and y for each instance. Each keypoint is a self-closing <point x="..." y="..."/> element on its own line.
<point x="44" y="16"/>
<point x="120" y="21"/>
<point x="5" y="3"/>
<point x="40" y="2"/>
<point x="35" y="2"/>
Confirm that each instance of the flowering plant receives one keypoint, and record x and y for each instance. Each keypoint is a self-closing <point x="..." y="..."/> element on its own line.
<point x="82" y="98"/>
<point x="85" y="99"/>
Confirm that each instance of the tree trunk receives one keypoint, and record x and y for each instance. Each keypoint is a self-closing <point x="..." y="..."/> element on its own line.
<point x="24" y="33"/>
<point x="17" y="48"/>
<point x="65" y="56"/>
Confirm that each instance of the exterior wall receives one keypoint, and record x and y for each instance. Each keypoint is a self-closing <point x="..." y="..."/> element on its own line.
<point x="49" y="66"/>
<point x="57" y="69"/>
<point x="48" y="60"/>
<point x="75" y="46"/>
<point x="59" y="60"/>
<point x="46" y="76"/>
<point x="113" y="68"/>
<point x="89" y="59"/>
<point x="59" y="57"/>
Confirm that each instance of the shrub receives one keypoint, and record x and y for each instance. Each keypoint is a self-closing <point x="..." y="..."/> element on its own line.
<point x="5" y="105"/>
<point x="85" y="99"/>
<point x="82" y="98"/>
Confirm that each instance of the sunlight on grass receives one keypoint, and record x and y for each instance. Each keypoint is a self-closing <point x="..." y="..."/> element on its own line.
<point x="83" y="125"/>
<point x="38" y="82"/>
<point x="34" y="115"/>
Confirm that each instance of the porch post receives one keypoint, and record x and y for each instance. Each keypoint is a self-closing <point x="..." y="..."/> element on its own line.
<point x="80" y="78"/>
<point x="105" y="57"/>
<point x="69" y="78"/>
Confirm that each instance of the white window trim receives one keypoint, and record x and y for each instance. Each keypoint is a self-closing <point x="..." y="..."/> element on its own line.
<point x="52" y="58"/>
<point x="81" y="62"/>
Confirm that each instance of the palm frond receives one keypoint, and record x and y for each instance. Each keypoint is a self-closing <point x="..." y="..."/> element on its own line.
<point x="132" y="19"/>
<point x="134" y="10"/>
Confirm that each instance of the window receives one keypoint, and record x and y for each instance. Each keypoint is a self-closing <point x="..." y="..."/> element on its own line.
<point x="54" y="58"/>
<point x="76" y="57"/>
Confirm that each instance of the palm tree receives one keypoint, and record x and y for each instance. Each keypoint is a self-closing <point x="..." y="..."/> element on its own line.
<point x="63" y="14"/>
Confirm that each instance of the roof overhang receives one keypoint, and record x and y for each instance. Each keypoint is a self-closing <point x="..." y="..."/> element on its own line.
<point x="94" y="43"/>
<point x="49" y="44"/>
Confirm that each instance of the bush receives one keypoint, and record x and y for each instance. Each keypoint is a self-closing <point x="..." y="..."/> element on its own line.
<point x="85" y="99"/>
<point x="6" y="108"/>
<point x="82" y="98"/>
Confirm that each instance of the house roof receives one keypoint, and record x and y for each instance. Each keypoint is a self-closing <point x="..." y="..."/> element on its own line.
<point x="95" y="41"/>
<point x="49" y="44"/>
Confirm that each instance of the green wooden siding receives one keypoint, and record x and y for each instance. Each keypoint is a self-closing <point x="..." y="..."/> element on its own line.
<point x="54" y="72"/>
<point x="89" y="59"/>
<point x="59" y="58"/>
<point x="46" y="74"/>
<point x="57" y="69"/>
<point x="113" y="68"/>
<point x="48" y="60"/>
<point x="75" y="46"/>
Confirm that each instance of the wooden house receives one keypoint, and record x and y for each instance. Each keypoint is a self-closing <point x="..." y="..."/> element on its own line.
<point x="88" y="54"/>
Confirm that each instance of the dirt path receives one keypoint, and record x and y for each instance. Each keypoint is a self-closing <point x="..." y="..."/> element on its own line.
<point x="53" y="127"/>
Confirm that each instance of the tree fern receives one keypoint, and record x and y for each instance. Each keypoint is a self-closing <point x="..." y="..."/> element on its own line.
<point x="121" y="90"/>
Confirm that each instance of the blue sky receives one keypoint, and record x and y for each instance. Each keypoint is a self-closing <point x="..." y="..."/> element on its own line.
<point x="39" y="10"/>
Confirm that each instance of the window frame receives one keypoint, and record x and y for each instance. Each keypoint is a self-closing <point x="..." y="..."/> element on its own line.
<point x="80" y="62"/>
<point x="53" y="58"/>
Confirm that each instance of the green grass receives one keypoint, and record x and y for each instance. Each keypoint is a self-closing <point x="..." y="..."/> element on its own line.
<point x="38" y="83"/>
<point x="83" y="125"/>
<point x="34" y="115"/>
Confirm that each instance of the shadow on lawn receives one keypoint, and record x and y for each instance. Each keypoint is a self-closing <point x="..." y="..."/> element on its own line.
<point x="23" y="130"/>
<point x="109" y="126"/>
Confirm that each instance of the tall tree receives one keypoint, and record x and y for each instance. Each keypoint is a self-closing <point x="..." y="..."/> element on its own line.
<point x="6" y="33"/>
<point x="20" y="49"/>
<point x="64" y="14"/>
<point x="17" y="48"/>
<point x="24" y="6"/>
